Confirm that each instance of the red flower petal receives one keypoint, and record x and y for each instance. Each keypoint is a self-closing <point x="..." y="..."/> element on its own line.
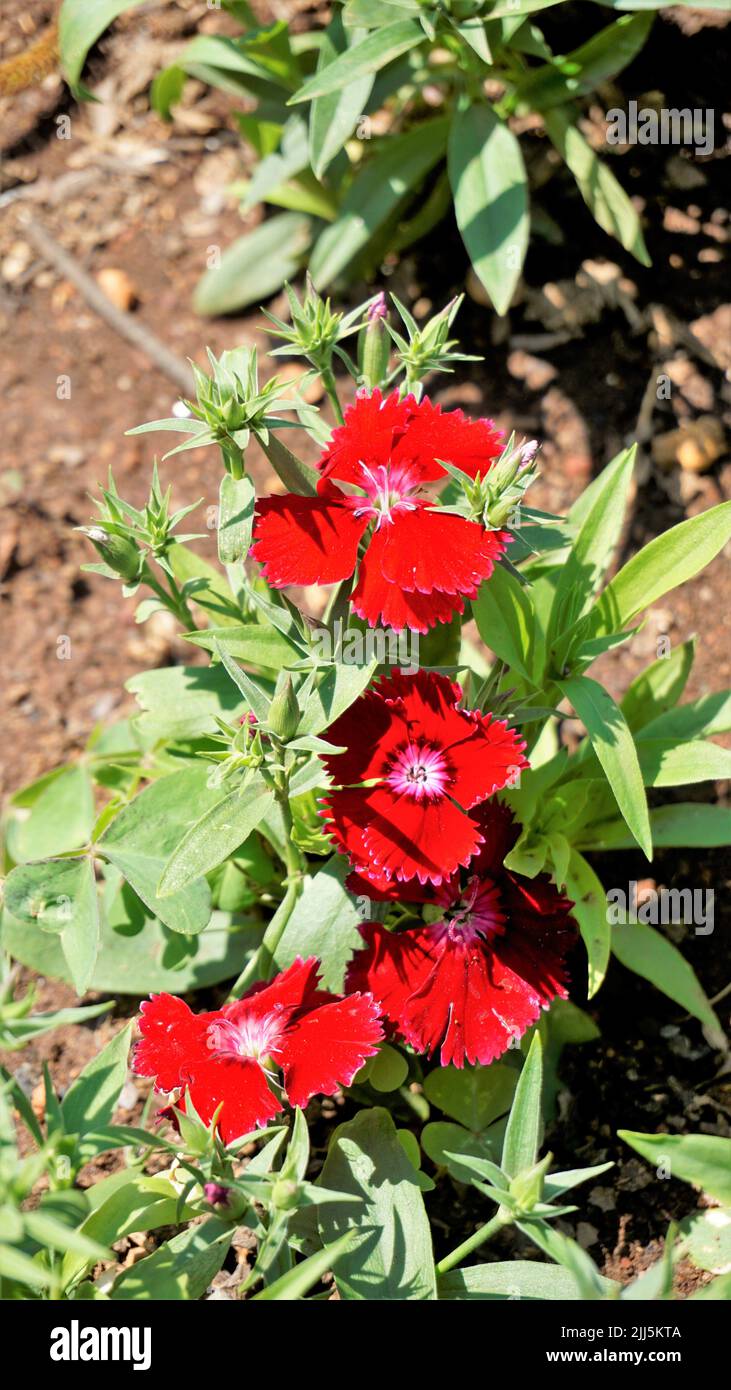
<point x="324" y="1049"/>
<point x="241" y="1085"/>
<point x="369" y="731"/>
<point x="391" y="966"/>
<point x="306" y="540"/>
<point x="371" y="425"/>
<point x="294" y="989"/>
<point x="401" y="837"/>
<point x="425" y="550"/>
<point x="472" y="445"/>
<point x="377" y="601"/>
<point x="173" y="1040"/>
<point x="500" y="832"/>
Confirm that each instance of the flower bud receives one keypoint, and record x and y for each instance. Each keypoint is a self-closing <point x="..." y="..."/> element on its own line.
<point x="284" y="712"/>
<point x="527" y="1187"/>
<point x="375" y="345"/>
<point x="285" y="1194"/>
<point x="121" y="554"/>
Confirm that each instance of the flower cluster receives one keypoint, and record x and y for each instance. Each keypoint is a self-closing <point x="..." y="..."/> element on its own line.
<point x="415" y="563"/>
<point x="474" y="980"/>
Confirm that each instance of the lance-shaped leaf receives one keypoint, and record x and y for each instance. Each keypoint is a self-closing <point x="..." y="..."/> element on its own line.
<point x="603" y="195"/>
<point x="236" y="500"/>
<point x="525" y="1123"/>
<point x="334" y="116"/>
<point x="701" y="1159"/>
<point x="218" y="832"/>
<point x="646" y="951"/>
<point x="590" y="911"/>
<point x="256" y="265"/>
<point x="80" y="24"/>
<point x="490" y="190"/>
<point x="614" y="746"/>
<point x="367" y="56"/>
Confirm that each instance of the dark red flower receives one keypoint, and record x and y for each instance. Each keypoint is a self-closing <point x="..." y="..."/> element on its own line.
<point x="478" y="977"/>
<point x="319" y="1041"/>
<point x="419" y="563"/>
<point x="414" y="765"/>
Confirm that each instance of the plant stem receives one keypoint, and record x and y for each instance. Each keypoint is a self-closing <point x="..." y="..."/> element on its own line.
<point x="171" y="597"/>
<point x="328" y="381"/>
<point x="501" y="1218"/>
<point x="261" y="966"/>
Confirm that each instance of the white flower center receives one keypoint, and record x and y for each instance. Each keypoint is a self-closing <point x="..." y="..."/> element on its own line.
<point x="419" y="771"/>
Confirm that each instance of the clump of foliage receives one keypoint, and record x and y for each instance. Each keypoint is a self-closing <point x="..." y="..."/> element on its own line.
<point x="364" y="823"/>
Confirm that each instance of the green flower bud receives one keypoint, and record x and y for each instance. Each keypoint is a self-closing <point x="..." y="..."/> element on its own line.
<point x="121" y="554"/>
<point x="285" y="1194"/>
<point x="284" y="712"/>
<point x="527" y="1187"/>
<point x="375" y="346"/>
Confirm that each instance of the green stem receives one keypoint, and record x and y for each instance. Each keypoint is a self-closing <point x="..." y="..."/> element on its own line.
<point x="262" y="964"/>
<point x="328" y="381"/>
<point x="171" y="597"/>
<point x="500" y="1219"/>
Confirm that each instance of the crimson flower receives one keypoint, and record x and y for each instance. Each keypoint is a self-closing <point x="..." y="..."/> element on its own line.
<point x="319" y="1041"/>
<point x="477" y="978"/>
<point x="414" y="763"/>
<point x="419" y="564"/>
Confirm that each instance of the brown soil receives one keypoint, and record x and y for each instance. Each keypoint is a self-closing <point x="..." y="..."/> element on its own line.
<point x="582" y="396"/>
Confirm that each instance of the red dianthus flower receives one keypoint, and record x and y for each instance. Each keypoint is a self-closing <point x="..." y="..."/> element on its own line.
<point x="419" y="563"/>
<point x="414" y="765"/>
<point x="319" y="1041"/>
<point x="478" y="977"/>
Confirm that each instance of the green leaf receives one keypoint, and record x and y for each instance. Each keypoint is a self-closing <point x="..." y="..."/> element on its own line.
<point x="80" y="24"/>
<point x="137" y="955"/>
<point x="60" y="895"/>
<point x="523" y="1133"/>
<point x="506" y="621"/>
<point x="338" y="689"/>
<point x="254" y="643"/>
<point x="166" y="90"/>
<point x="473" y="1095"/>
<point x="217" y="833"/>
<point x="53" y="815"/>
<point x="665" y="763"/>
<point x="514" y="1279"/>
<point x="590" y="910"/>
<point x="182" y="702"/>
<point x="296" y="1282"/>
<point x="644" y="950"/>
<point x="701" y="1159"/>
<point x="389" y="1069"/>
<point x="394" y="1259"/>
<point x="603" y="55"/>
<point x="706" y="1238"/>
<point x="709" y="715"/>
<point x="90" y="1100"/>
<point x="141" y="839"/>
<point x="255" y="266"/>
<point x="324" y="923"/>
<point x="377" y="192"/>
<point x="445" y="1143"/>
<point x="236" y="501"/>
<point x="686" y="824"/>
<point x="603" y="195"/>
<point x="567" y="1252"/>
<point x="490" y="190"/>
<point x="614" y="747"/>
<point x="367" y="56"/>
<point x="659" y="687"/>
<point x="126" y="1201"/>
<point x="333" y="117"/>
<point x="602" y="512"/>
<point x="666" y="562"/>
<point x="182" y="1268"/>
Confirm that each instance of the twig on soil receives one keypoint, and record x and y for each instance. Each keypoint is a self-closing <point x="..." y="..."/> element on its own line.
<point x="123" y="323"/>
